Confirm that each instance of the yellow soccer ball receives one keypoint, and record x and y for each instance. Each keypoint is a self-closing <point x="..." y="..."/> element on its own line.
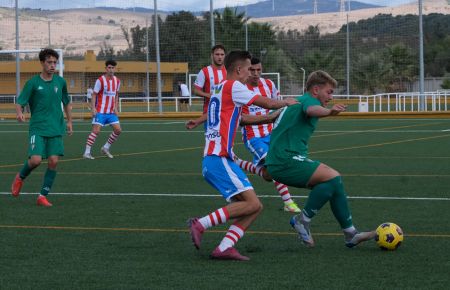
<point x="389" y="236"/>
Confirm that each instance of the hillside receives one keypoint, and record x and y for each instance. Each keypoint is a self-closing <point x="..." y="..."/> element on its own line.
<point x="77" y="30"/>
<point x="332" y="22"/>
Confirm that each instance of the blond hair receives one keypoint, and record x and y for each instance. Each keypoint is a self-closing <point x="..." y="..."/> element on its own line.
<point x="319" y="78"/>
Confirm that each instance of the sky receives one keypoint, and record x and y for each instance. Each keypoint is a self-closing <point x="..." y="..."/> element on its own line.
<point x="166" y="5"/>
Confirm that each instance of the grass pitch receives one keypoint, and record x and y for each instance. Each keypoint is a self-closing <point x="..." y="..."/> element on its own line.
<point x="120" y="223"/>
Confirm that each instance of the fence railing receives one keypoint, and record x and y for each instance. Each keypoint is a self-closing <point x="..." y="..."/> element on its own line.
<point x="387" y="102"/>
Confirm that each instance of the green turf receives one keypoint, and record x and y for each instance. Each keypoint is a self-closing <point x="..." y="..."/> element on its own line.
<point x="135" y="242"/>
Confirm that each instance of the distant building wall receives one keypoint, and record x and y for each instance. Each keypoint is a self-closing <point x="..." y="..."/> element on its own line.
<point x="82" y="74"/>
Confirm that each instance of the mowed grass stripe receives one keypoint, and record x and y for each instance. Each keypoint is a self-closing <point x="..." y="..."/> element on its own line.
<point x="167" y="230"/>
<point x="199" y="174"/>
<point x="217" y="195"/>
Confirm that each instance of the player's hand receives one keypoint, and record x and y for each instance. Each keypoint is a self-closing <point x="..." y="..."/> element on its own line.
<point x="290" y="101"/>
<point x="93" y="112"/>
<point x="191" y="124"/>
<point x="69" y="128"/>
<point x="337" y="108"/>
<point x="274" y="115"/>
<point x="20" y="117"/>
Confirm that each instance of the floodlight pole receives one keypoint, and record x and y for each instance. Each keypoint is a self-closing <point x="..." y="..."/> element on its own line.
<point x="421" y="64"/>
<point x="211" y="15"/>
<point x="147" y="74"/>
<point x="348" y="60"/>
<point x="246" y="29"/>
<point x="158" y="60"/>
<point x="17" y="54"/>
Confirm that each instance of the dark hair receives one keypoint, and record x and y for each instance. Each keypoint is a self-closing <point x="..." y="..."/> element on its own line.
<point x="235" y="56"/>
<point x="110" y="62"/>
<point x="255" y="60"/>
<point x="319" y="78"/>
<point x="47" y="52"/>
<point x="218" y="46"/>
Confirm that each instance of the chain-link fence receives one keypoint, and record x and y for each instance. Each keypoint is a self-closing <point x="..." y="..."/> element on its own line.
<point x="369" y="51"/>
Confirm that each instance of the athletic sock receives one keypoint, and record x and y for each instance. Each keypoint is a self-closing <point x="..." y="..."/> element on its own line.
<point x="339" y="204"/>
<point x="25" y="171"/>
<point x="283" y="190"/>
<point x="234" y="234"/>
<point x="49" y="177"/>
<point x="90" y="141"/>
<point x="112" y="138"/>
<point x="249" y="167"/>
<point x="215" y="218"/>
<point x="318" y="196"/>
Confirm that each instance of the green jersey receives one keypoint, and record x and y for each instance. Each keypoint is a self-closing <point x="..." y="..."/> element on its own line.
<point x="45" y="98"/>
<point x="292" y="131"/>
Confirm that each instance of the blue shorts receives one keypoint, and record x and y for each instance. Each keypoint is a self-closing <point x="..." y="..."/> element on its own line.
<point x="225" y="176"/>
<point x="258" y="146"/>
<point x="105" y="119"/>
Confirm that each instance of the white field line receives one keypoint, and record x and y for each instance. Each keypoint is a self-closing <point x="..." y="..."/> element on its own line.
<point x="201" y="131"/>
<point x="216" y="195"/>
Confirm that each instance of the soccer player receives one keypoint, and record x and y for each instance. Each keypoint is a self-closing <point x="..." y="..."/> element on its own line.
<point x="105" y="100"/>
<point x="211" y="75"/>
<point x="288" y="162"/>
<point x="44" y="93"/>
<point x="218" y="167"/>
<point x="257" y="137"/>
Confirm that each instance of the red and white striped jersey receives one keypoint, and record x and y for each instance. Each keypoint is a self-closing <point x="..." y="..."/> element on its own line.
<point x="207" y="78"/>
<point x="106" y="90"/>
<point x="224" y="113"/>
<point x="265" y="88"/>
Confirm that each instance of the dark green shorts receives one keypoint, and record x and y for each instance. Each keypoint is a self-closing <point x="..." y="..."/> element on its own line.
<point x="295" y="171"/>
<point x="45" y="146"/>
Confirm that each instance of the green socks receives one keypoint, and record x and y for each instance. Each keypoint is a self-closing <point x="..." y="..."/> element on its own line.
<point x="339" y="204"/>
<point x="49" y="177"/>
<point x="25" y="171"/>
<point x="333" y="191"/>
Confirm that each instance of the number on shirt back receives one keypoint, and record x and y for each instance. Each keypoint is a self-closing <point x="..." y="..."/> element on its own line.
<point x="214" y="108"/>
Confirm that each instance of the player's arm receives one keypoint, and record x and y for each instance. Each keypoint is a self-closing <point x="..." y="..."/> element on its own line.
<point x="22" y="100"/>
<point x="68" y="111"/>
<point x="93" y="100"/>
<point x="258" y="119"/>
<point x="191" y="124"/>
<point x="272" y="104"/>
<point x="19" y="113"/>
<point x="116" y="103"/>
<point x="201" y="93"/>
<point x="67" y="107"/>
<point x="320" y="112"/>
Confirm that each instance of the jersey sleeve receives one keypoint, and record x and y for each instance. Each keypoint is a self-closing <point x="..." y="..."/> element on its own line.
<point x="242" y="95"/>
<point x="200" y="80"/>
<point x="65" y="93"/>
<point x="26" y="93"/>
<point x="98" y="86"/>
<point x="118" y="85"/>
<point x="309" y="102"/>
<point x="274" y="94"/>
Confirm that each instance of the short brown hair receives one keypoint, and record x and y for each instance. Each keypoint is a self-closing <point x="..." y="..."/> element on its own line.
<point x="235" y="56"/>
<point x="218" y="46"/>
<point x="319" y="78"/>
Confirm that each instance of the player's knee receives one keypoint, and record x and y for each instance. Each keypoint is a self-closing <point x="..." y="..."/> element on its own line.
<point x="35" y="161"/>
<point x="96" y="130"/>
<point x="254" y="206"/>
<point x="52" y="163"/>
<point x="117" y="131"/>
